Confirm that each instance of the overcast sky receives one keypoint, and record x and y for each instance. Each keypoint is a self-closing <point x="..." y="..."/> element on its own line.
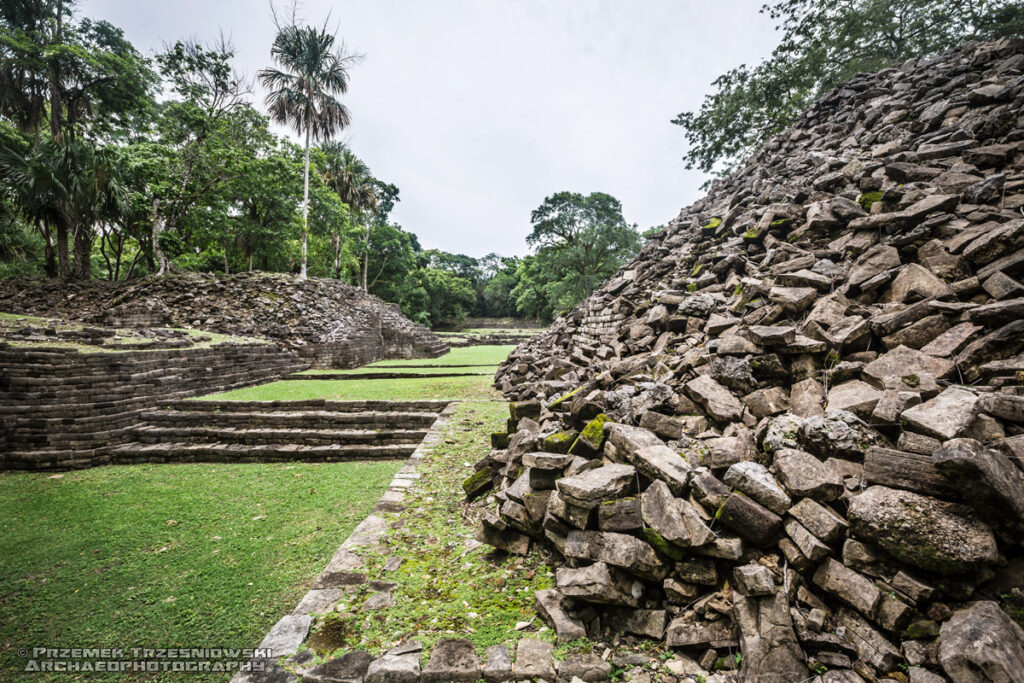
<point x="478" y="109"/>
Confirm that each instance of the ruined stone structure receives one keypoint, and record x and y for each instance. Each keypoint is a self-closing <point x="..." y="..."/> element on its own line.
<point x="794" y="425"/>
<point x="327" y="322"/>
<point x="64" y="406"/>
<point x="61" y="408"/>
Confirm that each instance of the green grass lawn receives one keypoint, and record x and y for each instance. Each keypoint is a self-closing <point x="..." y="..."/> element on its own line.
<point x="413" y="389"/>
<point x="406" y="370"/>
<point x="468" y="355"/>
<point x="199" y="555"/>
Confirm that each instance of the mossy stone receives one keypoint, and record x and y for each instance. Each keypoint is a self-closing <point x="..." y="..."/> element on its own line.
<point x="591" y="438"/>
<point x="565" y="397"/>
<point x="478" y="483"/>
<point x="712" y="224"/>
<point x="559" y="442"/>
<point x="659" y="543"/>
<point x="868" y="199"/>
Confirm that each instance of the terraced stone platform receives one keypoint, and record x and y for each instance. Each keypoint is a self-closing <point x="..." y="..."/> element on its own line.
<point x="269" y="431"/>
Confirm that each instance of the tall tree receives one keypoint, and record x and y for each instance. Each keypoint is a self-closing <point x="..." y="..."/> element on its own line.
<point x="580" y="241"/>
<point x="303" y="91"/>
<point x="350" y="178"/>
<point x="825" y="42"/>
<point x="198" y="135"/>
<point x="73" y="77"/>
<point x="70" y="183"/>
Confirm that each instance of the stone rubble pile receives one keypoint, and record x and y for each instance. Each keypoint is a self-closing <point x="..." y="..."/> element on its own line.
<point x="274" y="306"/>
<point x="794" y="425"/>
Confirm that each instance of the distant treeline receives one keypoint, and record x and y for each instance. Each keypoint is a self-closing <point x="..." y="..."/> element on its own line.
<point x="118" y="166"/>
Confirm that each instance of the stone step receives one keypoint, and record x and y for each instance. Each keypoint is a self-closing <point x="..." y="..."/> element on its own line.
<point x="219" y="452"/>
<point x="309" y="404"/>
<point x="312" y="419"/>
<point x="253" y="437"/>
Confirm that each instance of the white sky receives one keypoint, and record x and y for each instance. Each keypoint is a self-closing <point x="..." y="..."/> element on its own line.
<point x="478" y="109"/>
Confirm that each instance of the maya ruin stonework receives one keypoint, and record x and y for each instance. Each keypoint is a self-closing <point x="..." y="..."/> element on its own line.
<point x="794" y="425"/>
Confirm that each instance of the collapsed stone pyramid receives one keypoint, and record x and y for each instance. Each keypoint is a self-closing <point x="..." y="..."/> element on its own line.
<point x="794" y="424"/>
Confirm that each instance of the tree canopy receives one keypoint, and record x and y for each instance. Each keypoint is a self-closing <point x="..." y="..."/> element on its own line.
<point x="118" y="166"/>
<point x="822" y="44"/>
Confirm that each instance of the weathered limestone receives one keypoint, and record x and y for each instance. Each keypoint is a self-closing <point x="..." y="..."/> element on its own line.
<point x="837" y="394"/>
<point x="981" y="643"/>
<point x="936" y="536"/>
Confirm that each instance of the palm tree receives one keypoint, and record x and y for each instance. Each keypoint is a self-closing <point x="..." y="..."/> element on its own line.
<point x="73" y="185"/>
<point x="302" y="92"/>
<point x="350" y="178"/>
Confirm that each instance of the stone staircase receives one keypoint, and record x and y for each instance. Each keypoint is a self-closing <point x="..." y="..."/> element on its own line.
<point x="273" y="431"/>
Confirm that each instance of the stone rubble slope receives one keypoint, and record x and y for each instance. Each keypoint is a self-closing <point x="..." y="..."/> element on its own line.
<point x="275" y="306"/>
<point x="794" y="424"/>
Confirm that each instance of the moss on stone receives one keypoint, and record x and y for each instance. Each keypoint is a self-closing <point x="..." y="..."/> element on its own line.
<point x="712" y="224"/>
<point x="499" y="440"/>
<point x="919" y="630"/>
<point x="592" y="435"/>
<point x="565" y="397"/>
<point x="868" y="199"/>
<point x="780" y="223"/>
<point x="519" y="410"/>
<point x="692" y="287"/>
<point x="751" y="235"/>
<point x="696" y="270"/>
<point x="478" y="482"/>
<point x="659" y="543"/>
<point x="559" y="442"/>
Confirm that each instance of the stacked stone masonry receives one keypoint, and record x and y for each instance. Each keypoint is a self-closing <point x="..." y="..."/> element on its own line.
<point x="326" y="322"/>
<point x="794" y="425"/>
<point x="60" y="408"/>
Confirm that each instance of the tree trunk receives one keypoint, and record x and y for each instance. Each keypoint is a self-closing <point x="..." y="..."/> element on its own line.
<point x="250" y="263"/>
<point x="366" y="257"/>
<point x="63" y="260"/>
<point x="83" y="252"/>
<point x="305" y="210"/>
<point x="162" y="263"/>
<point x="336" y="245"/>
<point x="49" y="254"/>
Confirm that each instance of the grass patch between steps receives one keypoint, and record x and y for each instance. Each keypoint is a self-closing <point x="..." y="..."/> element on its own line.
<point x="467" y="355"/>
<point x="191" y="555"/>
<point x="448" y="585"/>
<point x="418" y="388"/>
<point x="401" y="369"/>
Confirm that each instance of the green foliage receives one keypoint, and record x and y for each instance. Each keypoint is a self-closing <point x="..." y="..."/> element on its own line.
<point x="579" y="242"/>
<point x="198" y="181"/>
<point x="822" y="45"/>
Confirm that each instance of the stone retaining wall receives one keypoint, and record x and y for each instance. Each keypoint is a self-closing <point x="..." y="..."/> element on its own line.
<point x="60" y="408"/>
<point x="357" y="351"/>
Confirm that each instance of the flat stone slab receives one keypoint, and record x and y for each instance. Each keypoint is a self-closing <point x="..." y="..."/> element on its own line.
<point x="757" y="482"/>
<point x="285" y="637"/>
<point x="904" y="361"/>
<point x="395" y="669"/>
<point x="451" y="660"/>
<point x="602" y="483"/>
<point x="348" y="668"/>
<point x="319" y="600"/>
<point x="718" y="401"/>
<point x="499" y="664"/>
<point x="535" y="659"/>
<point x="946" y="416"/>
